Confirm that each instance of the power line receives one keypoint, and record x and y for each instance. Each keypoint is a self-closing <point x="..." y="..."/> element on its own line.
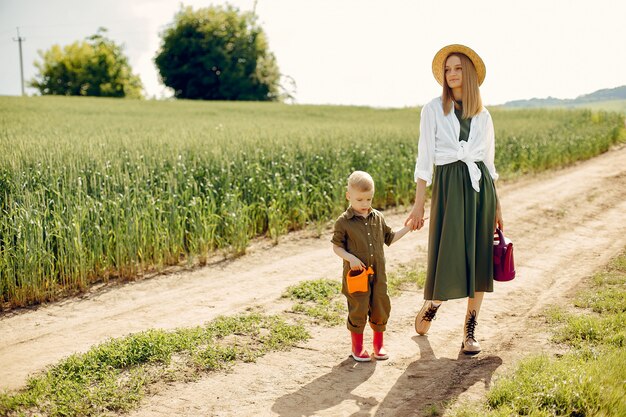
<point x="19" y="40"/>
<point x="73" y="23"/>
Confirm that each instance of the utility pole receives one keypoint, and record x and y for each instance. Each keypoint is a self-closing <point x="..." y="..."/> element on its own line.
<point x="19" y="40"/>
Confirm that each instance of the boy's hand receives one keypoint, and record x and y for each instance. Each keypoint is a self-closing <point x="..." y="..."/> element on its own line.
<point x="356" y="263"/>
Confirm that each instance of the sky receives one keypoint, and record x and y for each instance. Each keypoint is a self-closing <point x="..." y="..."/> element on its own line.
<point x="358" y="52"/>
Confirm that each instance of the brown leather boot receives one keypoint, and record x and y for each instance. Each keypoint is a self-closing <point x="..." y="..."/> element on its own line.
<point x="470" y="345"/>
<point x="425" y="317"/>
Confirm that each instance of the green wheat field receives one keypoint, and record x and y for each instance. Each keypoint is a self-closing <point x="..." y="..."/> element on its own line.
<point x="94" y="189"/>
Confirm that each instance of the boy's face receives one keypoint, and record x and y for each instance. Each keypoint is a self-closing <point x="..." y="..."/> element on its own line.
<point x="361" y="201"/>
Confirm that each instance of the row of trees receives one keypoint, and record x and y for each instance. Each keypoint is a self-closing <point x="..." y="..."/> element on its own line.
<point x="213" y="53"/>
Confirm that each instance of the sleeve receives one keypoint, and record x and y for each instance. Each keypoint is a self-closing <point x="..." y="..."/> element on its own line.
<point x="339" y="234"/>
<point x="426" y="146"/>
<point x="387" y="232"/>
<point x="491" y="149"/>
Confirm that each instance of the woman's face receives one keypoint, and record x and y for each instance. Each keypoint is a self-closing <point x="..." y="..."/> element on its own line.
<point x="453" y="72"/>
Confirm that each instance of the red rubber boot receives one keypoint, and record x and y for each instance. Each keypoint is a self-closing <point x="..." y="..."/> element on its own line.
<point x="358" y="352"/>
<point x="380" y="352"/>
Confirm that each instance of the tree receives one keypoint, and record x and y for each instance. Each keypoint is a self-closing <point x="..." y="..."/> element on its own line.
<point x="93" y="67"/>
<point x="217" y="53"/>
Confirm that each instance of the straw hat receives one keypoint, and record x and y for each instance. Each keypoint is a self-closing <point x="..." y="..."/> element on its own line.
<point x="442" y="55"/>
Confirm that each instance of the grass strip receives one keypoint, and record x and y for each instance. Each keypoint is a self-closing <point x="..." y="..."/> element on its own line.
<point x="406" y="276"/>
<point x="588" y="380"/>
<point x="322" y="300"/>
<point x="115" y="375"/>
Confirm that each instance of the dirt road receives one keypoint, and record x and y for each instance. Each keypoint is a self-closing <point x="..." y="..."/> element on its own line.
<point x="565" y="225"/>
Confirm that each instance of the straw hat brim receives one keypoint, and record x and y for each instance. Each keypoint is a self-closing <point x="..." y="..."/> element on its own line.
<point x="442" y="55"/>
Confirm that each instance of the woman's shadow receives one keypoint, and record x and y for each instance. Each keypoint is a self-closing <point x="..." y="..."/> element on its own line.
<point x="432" y="381"/>
<point x="329" y="390"/>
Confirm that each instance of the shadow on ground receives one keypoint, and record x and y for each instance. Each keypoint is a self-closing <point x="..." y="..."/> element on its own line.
<point x="434" y="382"/>
<point x="427" y="382"/>
<point x="329" y="390"/>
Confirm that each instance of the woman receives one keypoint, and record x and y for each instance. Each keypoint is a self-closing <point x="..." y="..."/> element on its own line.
<point x="457" y="138"/>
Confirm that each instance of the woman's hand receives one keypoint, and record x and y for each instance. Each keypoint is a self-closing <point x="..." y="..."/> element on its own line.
<point x="416" y="217"/>
<point x="499" y="220"/>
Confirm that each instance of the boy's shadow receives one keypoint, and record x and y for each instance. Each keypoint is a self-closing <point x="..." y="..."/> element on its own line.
<point x="328" y="391"/>
<point x="432" y="381"/>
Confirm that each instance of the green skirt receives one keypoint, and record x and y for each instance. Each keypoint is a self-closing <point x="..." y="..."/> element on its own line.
<point x="460" y="241"/>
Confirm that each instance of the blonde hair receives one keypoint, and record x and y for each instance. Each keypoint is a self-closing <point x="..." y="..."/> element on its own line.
<point x="360" y="181"/>
<point x="472" y="103"/>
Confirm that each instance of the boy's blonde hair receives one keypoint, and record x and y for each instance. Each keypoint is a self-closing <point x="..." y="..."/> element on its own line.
<point x="360" y="181"/>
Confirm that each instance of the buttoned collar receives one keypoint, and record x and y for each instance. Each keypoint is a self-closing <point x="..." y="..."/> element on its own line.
<point x="350" y="213"/>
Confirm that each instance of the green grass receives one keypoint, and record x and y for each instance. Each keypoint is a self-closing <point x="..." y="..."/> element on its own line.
<point x="95" y="189"/>
<point x="589" y="330"/>
<point x="320" y="300"/>
<point x="114" y="376"/>
<point x="405" y="276"/>
<point x="608" y="290"/>
<point x="327" y="313"/>
<point x="589" y="380"/>
<point x="569" y="386"/>
<point x="314" y="290"/>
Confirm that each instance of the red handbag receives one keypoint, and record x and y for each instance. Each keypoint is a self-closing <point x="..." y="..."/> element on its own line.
<point x="503" y="263"/>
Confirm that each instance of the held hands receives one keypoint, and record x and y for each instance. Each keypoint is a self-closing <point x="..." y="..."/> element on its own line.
<point x="416" y="218"/>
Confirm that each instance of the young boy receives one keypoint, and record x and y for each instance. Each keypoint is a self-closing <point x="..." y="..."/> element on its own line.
<point x="358" y="238"/>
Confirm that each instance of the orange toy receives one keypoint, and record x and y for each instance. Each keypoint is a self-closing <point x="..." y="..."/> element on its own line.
<point x="358" y="281"/>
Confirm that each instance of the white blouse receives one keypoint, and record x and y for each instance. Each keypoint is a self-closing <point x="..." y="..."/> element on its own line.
<point x="439" y="143"/>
